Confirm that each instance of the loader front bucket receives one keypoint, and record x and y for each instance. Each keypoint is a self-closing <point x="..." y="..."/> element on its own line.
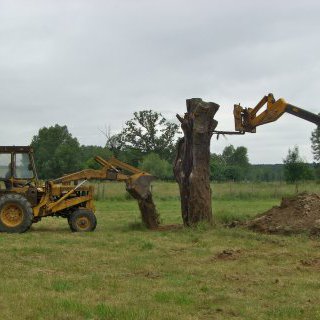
<point x="138" y="185"/>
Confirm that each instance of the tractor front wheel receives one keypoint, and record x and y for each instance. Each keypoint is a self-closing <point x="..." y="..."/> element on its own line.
<point x="82" y="220"/>
<point x="16" y="214"/>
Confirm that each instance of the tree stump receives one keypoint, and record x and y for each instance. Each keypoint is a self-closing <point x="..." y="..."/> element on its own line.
<point x="192" y="163"/>
<point x="148" y="210"/>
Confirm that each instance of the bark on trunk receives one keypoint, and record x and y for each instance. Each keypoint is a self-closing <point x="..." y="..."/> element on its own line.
<point x="149" y="214"/>
<point x="191" y="167"/>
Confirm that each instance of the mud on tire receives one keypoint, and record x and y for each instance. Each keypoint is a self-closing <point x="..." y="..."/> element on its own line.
<point x="82" y="220"/>
<point x="16" y="213"/>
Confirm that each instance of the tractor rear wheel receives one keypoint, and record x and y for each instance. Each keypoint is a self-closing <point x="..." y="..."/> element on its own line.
<point x="82" y="220"/>
<point x="16" y="213"/>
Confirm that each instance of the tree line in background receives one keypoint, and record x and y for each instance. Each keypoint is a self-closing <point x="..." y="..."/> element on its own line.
<point x="148" y="141"/>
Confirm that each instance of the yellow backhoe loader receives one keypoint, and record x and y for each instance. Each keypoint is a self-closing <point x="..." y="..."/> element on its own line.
<point x="24" y="200"/>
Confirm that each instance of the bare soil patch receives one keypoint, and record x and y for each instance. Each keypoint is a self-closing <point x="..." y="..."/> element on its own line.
<point x="298" y="214"/>
<point x="228" y="254"/>
<point x="311" y="262"/>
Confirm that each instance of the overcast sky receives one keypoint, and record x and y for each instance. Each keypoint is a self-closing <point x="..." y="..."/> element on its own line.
<point x="91" y="64"/>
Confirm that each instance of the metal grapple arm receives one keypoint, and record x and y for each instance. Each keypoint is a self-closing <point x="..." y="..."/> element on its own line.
<point x="247" y="119"/>
<point x="137" y="181"/>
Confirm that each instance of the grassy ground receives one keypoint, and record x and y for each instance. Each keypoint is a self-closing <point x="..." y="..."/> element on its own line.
<point x="122" y="271"/>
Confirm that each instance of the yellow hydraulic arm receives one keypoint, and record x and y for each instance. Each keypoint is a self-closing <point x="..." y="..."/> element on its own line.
<point x="137" y="181"/>
<point x="138" y="184"/>
<point x="247" y="119"/>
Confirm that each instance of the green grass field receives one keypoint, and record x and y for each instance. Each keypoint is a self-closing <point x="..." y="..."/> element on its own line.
<point x="223" y="191"/>
<point x="122" y="271"/>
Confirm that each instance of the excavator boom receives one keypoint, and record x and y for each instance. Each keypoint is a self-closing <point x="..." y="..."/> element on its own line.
<point x="247" y="119"/>
<point x="303" y="114"/>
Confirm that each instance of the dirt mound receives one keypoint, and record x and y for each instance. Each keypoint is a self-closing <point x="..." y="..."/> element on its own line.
<point x="297" y="214"/>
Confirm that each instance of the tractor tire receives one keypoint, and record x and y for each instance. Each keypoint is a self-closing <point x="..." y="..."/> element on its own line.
<point x="16" y="214"/>
<point x="82" y="220"/>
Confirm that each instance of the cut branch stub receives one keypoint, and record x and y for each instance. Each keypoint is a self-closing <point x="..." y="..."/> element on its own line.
<point x="191" y="167"/>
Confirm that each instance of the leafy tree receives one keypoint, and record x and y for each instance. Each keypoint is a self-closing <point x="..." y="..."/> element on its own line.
<point x="236" y="157"/>
<point x="315" y="140"/>
<point x="315" y="144"/>
<point x="295" y="169"/>
<point x="148" y="131"/>
<point x="131" y="156"/>
<point x="266" y="172"/>
<point x="115" y="144"/>
<point x="232" y="164"/>
<point x="56" y="152"/>
<point x="233" y="173"/>
<point x="87" y="154"/>
<point x="217" y="167"/>
<point x="228" y="154"/>
<point x="160" y="168"/>
<point x="240" y="157"/>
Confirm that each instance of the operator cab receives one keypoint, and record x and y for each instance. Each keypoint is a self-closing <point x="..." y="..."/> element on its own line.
<point x="17" y="167"/>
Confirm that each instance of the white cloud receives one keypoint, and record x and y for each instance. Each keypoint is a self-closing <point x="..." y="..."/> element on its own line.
<point x="91" y="63"/>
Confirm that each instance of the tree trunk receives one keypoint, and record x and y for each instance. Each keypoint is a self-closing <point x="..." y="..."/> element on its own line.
<point x="192" y="163"/>
<point x="149" y="214"/>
